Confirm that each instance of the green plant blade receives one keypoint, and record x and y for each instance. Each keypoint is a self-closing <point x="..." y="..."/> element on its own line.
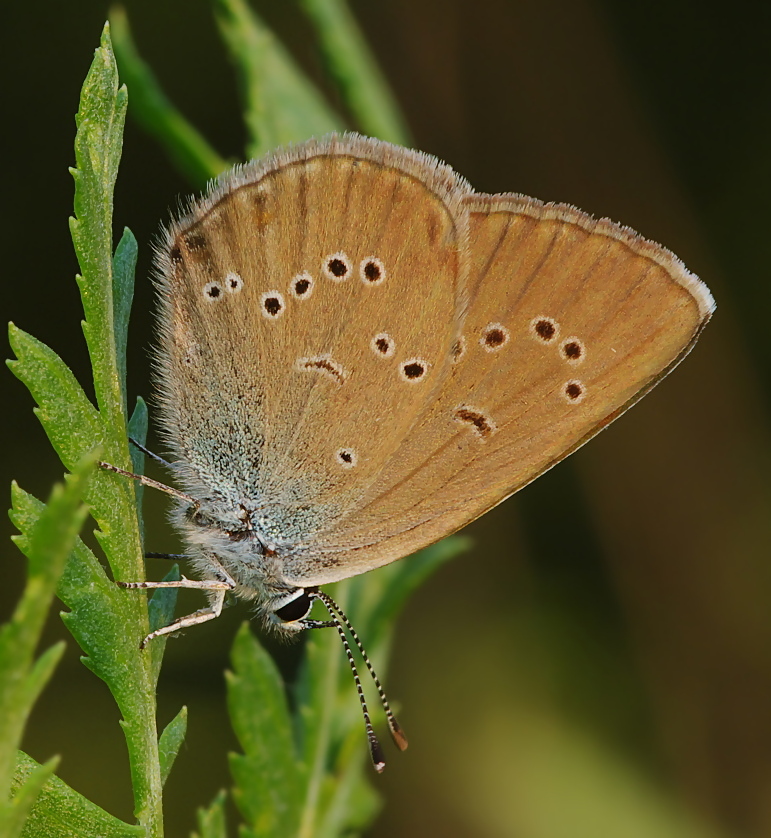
<point x="161" y="608"/>
<point x="107" y="622"/>
<point x="211" y="821"/>
<point x="60" y="812"/>
<point x="47" y="547"/>
<point x="124" y="265"/>
<point x="98" y="146"/>
<point x="187" y="149"/>
<point x="69" y="419"/>
<point x="281" y="105"/>
<point x="268" y="774"/>
<point x="337" y="796"/>
<point x="171" y="741"/>
<point x="352" y="66"/>
<point x="17" y="813"/>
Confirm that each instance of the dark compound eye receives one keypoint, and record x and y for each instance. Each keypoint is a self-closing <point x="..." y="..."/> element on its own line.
<point x="296" y="609"/>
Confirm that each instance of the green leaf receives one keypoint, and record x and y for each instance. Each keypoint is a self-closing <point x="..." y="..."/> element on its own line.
<point x="108" y="623"/>
<point x="337" y="796"/>
<point x="211" y="821"/>
<point x="354" y="69"/>
<point x="268" y="774"/>
<point x="69" y="419"/>
<point x="281" y="105"/>
<point x="60" y="812"/>
<point x="171" y="741"/>
<point x="22" y="678"/>
<point x="25" y="796"/>
<point x="98" y="146"/>
<point x="188" y="150"/>
<point x="161" y="609"/>
<point x="137" y="429"/>
<point x="124" y="265"/>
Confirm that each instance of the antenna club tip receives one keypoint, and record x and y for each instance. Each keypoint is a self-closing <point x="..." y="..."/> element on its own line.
<point x="397" y="734"/>
<point x="376" y="752"/>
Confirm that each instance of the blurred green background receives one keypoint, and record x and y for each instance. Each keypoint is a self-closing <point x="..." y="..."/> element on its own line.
<point x="600" y="663"/>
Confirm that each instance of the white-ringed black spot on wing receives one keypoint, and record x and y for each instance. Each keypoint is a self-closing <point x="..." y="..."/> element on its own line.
<point x="346" y="457"/>
<point x="336" y="267"/>
<point x="272" y="305"/>
<point x="413" y="370"/>
<point x="544" y="329"/>
<point x="233" y="283"/>
<point x="494" y="337"/>
<point x="372" y="271"/>
<point x="301" y="286"/>
<point x="476" y="420"/>
<point x="324" y="364"/>
<point x="572" y="349"/>
<point x="383" y="345"/>
<point x="212" y="291"/>
<point x="574" y="391"/>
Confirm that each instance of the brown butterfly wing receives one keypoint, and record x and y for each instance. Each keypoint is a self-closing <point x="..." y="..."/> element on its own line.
<point x="570" y="321"/>
<point x="308" y="303"/>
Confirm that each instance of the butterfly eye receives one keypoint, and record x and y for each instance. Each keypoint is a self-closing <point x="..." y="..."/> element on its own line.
<point x="295" y="609"/>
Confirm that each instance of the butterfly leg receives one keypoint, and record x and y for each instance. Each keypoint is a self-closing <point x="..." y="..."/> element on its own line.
<point x="217" y="588"/>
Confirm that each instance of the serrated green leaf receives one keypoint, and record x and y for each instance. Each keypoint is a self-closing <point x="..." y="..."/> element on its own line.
<point x="70" y="420"/>
<point x="98" y="609"/>
<point x="268" y="775"/>
<point x="15" y="815"/>
<point x="61" y="812"/>
<point x="74" y="428"/>
<point x="281" y="105"/>
<point x="98" y="146"/>
<point x="337" y="797"/>
<point x="354" y="69"/>
<point x="107" y="622"/>
<point x="22" y="678"/>
<point x="211" y="821"/>
<point x="186" y="147"/>
<point x="171" y="741"/>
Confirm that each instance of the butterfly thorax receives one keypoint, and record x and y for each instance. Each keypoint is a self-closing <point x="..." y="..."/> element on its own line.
<point x="224" y="543"/>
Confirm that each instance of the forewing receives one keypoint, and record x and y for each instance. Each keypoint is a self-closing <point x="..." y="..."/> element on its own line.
<point x="309" y="305"/>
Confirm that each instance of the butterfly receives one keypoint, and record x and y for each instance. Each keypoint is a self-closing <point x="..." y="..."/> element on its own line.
<point x="360" y="355"/>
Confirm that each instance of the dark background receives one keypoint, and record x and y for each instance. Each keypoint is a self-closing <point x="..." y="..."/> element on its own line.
<point x="601" y="662"/>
